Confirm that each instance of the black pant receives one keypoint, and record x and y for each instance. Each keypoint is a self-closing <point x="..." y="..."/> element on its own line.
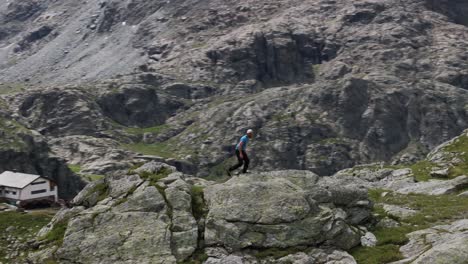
<point x="241" y="161"/>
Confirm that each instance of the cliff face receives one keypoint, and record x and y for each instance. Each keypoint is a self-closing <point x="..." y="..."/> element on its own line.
<point x="24" y="150"/>
<point x="351" y="81"/>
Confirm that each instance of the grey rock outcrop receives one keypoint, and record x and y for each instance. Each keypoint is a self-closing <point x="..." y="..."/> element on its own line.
<point x="315" y="256"/>
<point x="439" y="244"/>
<point x="250" y="212"/>
<point x="437" y="187"/>
<point x="369" y="240"/>
<point x="398" y="212"/>
<point x="158" y="216"/>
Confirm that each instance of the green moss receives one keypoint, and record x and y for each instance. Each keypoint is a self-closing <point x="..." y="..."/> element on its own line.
<point x="93" y="177"/>
<point x="431" y="211"/>
<point x="56" y="235"/>
<point x="394" y="236"/>
<point x="377" y="255"/>
<point x="422" y="170"/>
<point x="134" y="167"/>
<point x="102" y="189"/>
<point x="88" y="177"/>
<point x="198" y="202"/>
<point x="75" y="168"/>
<point x="153" y="178"/>
<point x="24" y="224"/>
<point x="316" y="69"/>
<point x="460" y="145"/>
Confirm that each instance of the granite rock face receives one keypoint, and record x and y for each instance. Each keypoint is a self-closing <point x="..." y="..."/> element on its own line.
<point x="438" y="244"/>
<point x="281" y="209"/>
<point x="157" y="216"/>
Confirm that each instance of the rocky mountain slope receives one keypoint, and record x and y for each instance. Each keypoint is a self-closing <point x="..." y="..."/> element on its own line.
<point x="326" y="84"/>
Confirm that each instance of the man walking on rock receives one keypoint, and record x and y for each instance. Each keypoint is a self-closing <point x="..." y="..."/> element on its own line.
<point x="242" y="158"/>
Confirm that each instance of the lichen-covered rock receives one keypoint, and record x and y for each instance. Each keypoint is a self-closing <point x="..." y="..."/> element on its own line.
<point x="160" y="217"/>
<point x="280" y="209"/>
<point x="398" y="212"/>
<point x="313" y="256"/>
<point x="127" y="219"/>
<point x="438" y="244"/>
<point x="137" y="230"/>
<point x="369" y="240"/>
<point x="184" y="226"/>
<point x="437" y="187"/>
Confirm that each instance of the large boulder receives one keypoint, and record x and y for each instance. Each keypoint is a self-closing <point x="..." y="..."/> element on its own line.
<point x="144" y="218"/>
<point x="438" y="244"/>
<point x="282" y="209"/>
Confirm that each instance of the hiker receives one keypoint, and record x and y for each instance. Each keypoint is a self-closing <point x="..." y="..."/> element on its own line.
<point x="242" y="158"/>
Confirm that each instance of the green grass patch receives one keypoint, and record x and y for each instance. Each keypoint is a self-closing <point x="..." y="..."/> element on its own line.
<point x="376" y="255"/>
<point x="432" y="210"/>
<point x="93" y="177"/>
<point x="199" y="209"/>
<point x="75" y="168"/>
<point x="153" y="178"/>
<point x="102" y="189"/>
<point x="460" y="145"/>
<point x="422" y="170"/>
<point x="88" y="177"/>
<point x="316" y="69"/>
<point x="141" y="131"/>
<point x="25" y="226"/>
<point x="162" y="149"/>
<point x="55" y="236"/>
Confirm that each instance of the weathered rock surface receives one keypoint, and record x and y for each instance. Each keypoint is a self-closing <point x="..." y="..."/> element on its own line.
<point x="439" y="244"/>
<point x="326" y="84"/>
<point x="398" y="212"/>
<point x="369" y="240"/>
<point x="437" y="187"/>
<point x="281" y="209"/>
<point x="315" y="256"/>
<point x="156" y="217"/>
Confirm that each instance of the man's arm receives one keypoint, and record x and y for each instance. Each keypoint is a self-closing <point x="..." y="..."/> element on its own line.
<point x="240" y="149"/>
